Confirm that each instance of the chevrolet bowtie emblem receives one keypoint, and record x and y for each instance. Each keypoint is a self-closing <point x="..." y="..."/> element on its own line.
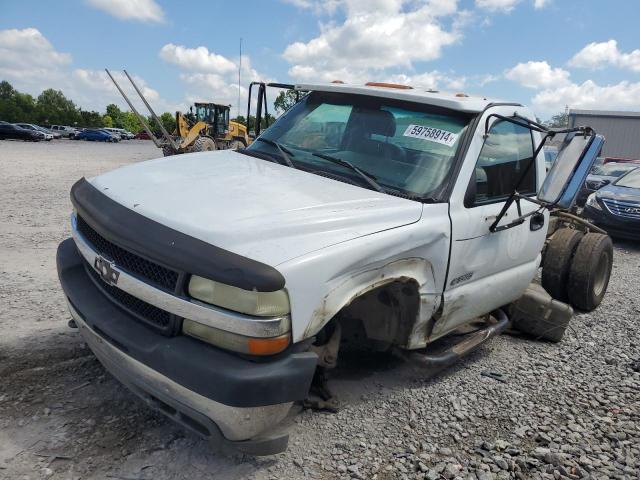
<point x="106" y="270"/>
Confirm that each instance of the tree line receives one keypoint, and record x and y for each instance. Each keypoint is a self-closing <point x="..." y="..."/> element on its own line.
<point x="51" y="107"/>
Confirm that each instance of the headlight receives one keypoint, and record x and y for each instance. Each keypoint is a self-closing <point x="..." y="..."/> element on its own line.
<point x="260" y="304"/>
<point x="234" y="341"/>
<point x="592" y="202"/>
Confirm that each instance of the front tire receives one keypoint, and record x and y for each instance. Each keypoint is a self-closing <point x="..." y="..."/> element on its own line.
<point x="237" y="145"/>
<point x="590" y="271"/>
<point x="203" y="144"/>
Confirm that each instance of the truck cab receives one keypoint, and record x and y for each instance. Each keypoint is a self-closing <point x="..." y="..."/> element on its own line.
<point x="214" y="285"/>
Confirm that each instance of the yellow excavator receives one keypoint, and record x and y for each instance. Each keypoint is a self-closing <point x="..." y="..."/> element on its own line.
<point x="205" y="127"/>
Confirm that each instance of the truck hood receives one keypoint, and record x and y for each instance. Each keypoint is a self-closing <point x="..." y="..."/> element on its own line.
<point x="255" y="208"/>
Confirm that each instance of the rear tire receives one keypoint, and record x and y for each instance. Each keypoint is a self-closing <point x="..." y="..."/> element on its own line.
<point x="237" y="145"/>
<point x="590" y="271"/>
<point x="557" y="262"/>
<point x="203" y="144"/>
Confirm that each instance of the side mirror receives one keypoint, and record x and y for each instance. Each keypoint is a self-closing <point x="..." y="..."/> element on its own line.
<point x="575" y="158"/>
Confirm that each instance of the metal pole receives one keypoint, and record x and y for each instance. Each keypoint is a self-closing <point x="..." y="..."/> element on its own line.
<point x="153" y="114"/>
<point x="239" y="73"/>
<point x="133" y="109"/>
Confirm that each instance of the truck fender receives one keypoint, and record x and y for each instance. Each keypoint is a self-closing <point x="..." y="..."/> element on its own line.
<point x="344" y="290"/>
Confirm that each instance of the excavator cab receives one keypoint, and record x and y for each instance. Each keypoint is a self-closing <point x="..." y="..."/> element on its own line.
<point x="214" y="115"/>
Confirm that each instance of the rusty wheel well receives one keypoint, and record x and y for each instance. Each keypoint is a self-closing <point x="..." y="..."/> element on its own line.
<point x="378" y="318"/>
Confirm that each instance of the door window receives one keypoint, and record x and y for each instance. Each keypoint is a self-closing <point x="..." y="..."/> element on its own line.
<point x="504" y="157"/>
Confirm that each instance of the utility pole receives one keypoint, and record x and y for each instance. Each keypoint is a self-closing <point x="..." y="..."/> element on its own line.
<point x="239" y="70"/>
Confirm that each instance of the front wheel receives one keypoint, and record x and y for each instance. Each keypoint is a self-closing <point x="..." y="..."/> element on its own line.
<point x="237" y="145"/>
<point x="203" y="144"/>
<point x="590" y="271"/>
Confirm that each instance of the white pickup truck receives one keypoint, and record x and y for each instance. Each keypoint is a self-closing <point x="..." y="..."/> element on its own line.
<point x="215" y="284"/>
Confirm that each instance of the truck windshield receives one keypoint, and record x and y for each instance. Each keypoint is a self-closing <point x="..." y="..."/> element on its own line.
<point x="405" y="147"/>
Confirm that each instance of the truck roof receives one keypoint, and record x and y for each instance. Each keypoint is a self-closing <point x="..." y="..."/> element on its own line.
<point x="453" y="101"/>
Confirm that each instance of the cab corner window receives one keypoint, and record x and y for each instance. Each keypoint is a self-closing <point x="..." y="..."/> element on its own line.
<point x="504" y="157"/>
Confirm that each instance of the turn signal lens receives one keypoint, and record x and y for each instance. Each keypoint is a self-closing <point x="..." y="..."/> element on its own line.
<point x="235" y="342"/>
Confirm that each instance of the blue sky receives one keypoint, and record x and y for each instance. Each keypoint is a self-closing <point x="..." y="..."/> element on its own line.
<point x="546" y="53"/>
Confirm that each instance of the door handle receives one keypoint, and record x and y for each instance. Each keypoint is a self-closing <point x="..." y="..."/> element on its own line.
<point x="536" y="222"/>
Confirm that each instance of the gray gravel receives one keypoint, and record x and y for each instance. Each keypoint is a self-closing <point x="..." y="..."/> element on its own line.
<point x="568" y="410"/>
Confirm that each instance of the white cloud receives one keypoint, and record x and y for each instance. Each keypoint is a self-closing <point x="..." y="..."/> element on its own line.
<point x="31" y="64"/>
<point x="537" y="75"/>
<point x="210" y="77"/>
<point x="589" y="95"/>
<point x="538" y="4"/>
<point x="497" y="5"/>
<point x="505" y="6"/>
<point x="28" y="53"/>
<point x="143" y="10"/>
<point x="196" y="59"/>
<point x="375" y="36"/>
<point x="600" y="55"/>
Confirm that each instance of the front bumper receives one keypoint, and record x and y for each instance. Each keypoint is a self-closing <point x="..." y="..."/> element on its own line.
<point x="214" y="393"/>
<point x="615" y="226"/>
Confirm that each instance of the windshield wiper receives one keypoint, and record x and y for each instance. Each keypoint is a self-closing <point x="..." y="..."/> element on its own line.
<point x="370" y="179"/>
<point x="284" y="151"/>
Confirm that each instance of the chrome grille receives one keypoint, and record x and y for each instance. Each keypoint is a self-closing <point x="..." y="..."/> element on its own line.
<point x="623" y="209"/>
<point x="152" y="272"/>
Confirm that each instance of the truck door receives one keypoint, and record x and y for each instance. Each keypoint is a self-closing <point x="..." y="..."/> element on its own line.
<point x="488" y="270"/>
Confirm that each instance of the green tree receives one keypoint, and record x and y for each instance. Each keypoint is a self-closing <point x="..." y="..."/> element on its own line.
<point x="116" y="115"/>
<point x="107" y="121"/>
<point x="130" y="122"/>
<point x="285" y="100"/>
<point x="90" y="119"/>
<point x="53" y="107"/>
<point x="168" y="122"/>
<point x="560" y="120"/>
<point x="6" y="90"/>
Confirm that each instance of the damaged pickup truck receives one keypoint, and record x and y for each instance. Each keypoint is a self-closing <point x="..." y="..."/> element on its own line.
<point x="216" y="285"/>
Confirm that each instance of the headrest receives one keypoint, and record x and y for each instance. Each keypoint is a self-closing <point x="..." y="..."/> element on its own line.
<point x="378" y="122"/>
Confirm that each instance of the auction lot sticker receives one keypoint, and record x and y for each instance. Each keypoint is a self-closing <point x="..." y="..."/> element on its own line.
<point x="431" y="134"/>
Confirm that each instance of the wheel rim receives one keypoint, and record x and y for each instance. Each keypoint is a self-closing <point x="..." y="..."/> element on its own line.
<point x="601" y="274"/>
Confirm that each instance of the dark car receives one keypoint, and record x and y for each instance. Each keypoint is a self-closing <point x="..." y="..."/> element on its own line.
<point x="616" y="207"/>
<point x="600" y="176"/>
<point x="94" y="135"/>
<point x="8" y="130"/>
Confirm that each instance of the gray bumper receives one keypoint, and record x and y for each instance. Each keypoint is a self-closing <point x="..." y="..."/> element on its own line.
<point x="220" y="423"/>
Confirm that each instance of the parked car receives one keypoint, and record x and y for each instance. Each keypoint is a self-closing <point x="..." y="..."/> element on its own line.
<point x="35" y="128"/>
<point x="142" y="136"/>
<point x="621" y="160"/>
<point x="550" y="154"/>
<point x="115" y="136"/>
<point x="113" y="131"/>
<point x="600" y="176"/>
<point x="121" y="132"/>
<point x="65" y="131"/>
<point x="97" y="135"/>
<point x="616" y="207"/>
<point x="11" y="131"/>
<point x="56" y="135"/>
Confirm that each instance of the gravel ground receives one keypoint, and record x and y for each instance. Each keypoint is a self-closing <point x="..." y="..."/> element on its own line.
<point x="568" y="410"/>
